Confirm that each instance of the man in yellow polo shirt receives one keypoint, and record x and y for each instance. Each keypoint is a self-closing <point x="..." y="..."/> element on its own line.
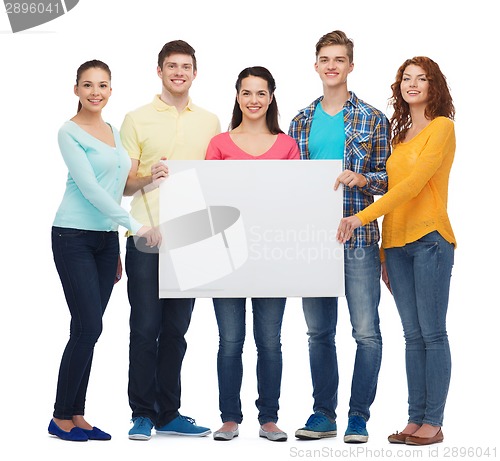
<point x="170" y="127"/>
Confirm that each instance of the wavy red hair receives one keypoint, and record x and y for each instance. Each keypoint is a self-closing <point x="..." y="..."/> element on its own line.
<point x="440" y="101"/>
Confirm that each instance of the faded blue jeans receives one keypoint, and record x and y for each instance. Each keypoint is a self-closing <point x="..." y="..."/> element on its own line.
<point x="362" y="288"/>
<point x="419" y="274"/>
<point x="267" y="320"/>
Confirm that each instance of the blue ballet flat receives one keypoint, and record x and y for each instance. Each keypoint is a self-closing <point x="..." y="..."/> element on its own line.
<point x="74" y="435"/>
<point x="96" y="434"/>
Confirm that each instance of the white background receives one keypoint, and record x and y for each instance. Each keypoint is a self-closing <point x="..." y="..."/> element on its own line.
<point x="37" y="74"/>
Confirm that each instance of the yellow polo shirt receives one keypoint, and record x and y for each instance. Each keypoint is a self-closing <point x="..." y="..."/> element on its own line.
<point x="158" y="130"/>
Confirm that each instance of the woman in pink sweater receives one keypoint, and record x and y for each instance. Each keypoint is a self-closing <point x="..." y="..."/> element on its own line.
<point x="254" y="134"/>
<point x="417" y="238"/>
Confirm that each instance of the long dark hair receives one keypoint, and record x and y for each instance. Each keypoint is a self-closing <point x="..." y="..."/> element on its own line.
<point x="440" y="101"/>
<point x="93" y="64"/>
<point x="272" y="114"/>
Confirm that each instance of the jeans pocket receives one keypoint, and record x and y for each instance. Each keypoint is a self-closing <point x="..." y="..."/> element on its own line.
<point x="67" y="232"/>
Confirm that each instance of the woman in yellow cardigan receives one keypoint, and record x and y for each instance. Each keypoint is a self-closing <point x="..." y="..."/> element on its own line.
<point x="417" y="238"/>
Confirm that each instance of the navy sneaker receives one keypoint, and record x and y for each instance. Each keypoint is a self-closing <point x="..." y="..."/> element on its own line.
<point x="356" y="430"/>
<point x="318" y="426"/>
<point x="141" y="429"/>
<point x="182" y="425"/>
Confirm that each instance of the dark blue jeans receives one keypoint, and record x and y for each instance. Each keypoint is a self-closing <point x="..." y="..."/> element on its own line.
<point x="86" y="262"/>
<point x="267" y="320"/>
<point x="157" y="339"/>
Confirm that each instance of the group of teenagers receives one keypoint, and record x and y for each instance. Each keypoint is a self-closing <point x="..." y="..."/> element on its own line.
<point x="405" y="161"/>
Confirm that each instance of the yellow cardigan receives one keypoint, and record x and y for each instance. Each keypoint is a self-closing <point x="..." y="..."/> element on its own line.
<point x="416" y="201"/>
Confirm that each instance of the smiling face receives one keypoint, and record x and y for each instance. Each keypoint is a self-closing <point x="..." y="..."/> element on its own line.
<point x="415" y="85"/>
<point x="177" y="74"/>
<point x="254" y="97"/>
<point x="93" y="89"/>
<point x="333" y="65"/>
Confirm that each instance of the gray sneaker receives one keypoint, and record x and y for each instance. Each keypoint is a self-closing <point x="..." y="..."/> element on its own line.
<point x="226" y="435"/>
<point x="279" y="436"/>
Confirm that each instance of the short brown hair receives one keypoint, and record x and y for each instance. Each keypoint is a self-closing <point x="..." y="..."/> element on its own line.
<point x="337" y="37"/>
<point x="173" y="47"/>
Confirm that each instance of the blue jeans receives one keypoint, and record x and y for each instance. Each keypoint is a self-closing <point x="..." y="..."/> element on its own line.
<point x="267" y="320"/>
<point x="420" y="274"/>
<point x="86" y="262"/>
<point x="157" y="339"/>
<point x="362" y="287"/>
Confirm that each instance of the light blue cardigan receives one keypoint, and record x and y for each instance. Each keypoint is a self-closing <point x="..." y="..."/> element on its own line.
<point x="96" y="179"/>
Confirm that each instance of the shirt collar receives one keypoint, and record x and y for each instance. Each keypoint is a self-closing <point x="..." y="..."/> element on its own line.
<point x="308" y="111"/>
<point x="353" y="99"/>
<point x="161" y="106"/>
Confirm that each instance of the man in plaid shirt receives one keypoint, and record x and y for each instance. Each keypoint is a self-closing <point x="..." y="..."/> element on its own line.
<point x="338" y="125"/>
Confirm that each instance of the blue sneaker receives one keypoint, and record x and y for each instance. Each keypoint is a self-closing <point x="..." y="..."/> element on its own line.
<point x="141" y="429"/>
<point x="356" y="430"/>
<point x="318" y="426"/>
<point x="182" y="425"/>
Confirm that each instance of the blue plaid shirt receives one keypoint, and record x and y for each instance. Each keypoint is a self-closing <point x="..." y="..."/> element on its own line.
<point x="367" y="147"/>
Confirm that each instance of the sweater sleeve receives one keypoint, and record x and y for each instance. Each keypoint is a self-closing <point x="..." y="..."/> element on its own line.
<point x="83" y="175"/>
<point x="426" y="165"/>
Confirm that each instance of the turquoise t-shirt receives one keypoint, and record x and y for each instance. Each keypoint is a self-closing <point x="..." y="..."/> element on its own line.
<point x="97" y="174"/>
<point x="327" y="137"/>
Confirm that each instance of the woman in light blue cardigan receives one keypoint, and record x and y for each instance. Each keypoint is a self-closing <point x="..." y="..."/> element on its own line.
<point x="85" y="241"/>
